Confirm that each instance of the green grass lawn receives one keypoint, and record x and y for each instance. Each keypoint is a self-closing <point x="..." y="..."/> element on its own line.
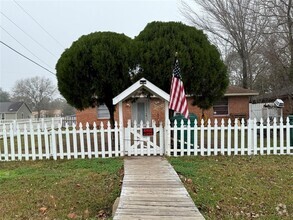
<point x="59" y="189"/>
<point x="239" y="187"/>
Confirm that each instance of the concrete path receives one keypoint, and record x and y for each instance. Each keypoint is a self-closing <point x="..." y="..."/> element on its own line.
<point x="152" y="190"/>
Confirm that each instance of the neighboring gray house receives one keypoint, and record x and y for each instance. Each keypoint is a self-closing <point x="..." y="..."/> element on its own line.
<point x="14" y="110"/>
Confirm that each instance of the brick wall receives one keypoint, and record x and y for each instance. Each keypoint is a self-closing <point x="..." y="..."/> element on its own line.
<point x="127" y="106"/>
<point x="237" y="106"/>
<point x="89" y="115"/>
<point x="157" y="107"/>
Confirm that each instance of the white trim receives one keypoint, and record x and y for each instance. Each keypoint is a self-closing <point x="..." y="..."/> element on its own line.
<point x="120" y="113"/>
<point x="138" y="85"/>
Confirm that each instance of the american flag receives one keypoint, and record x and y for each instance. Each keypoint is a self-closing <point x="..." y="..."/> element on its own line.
<point x="178" y="101"/>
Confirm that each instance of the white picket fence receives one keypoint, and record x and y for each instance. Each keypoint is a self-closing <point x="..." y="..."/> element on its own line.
<point x="50" y="123"/>
<point x="249" y="138"/>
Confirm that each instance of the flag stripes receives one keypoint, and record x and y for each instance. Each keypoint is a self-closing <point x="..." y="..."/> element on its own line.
<point x="178" y="100"/>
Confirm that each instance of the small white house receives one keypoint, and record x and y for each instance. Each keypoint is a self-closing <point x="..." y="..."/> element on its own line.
<point x="14" y="110"/>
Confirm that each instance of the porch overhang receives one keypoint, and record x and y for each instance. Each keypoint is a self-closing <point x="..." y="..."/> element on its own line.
<point x="141" y="84"/>
<point x="131" y="91"/>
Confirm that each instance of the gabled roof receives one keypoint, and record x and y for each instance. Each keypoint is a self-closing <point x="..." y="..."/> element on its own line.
<point x="239" y="91"/>
<point x="141" y="84"/>
<point x="11" y="107"/>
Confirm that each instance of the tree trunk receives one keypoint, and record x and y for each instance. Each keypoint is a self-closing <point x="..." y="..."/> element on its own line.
<point x="111" y="109"/>
<point x="290" y="28"/>
<point x="203" y="117"/>
<point x="39" y="113"/>
<point x="244" y="70"/>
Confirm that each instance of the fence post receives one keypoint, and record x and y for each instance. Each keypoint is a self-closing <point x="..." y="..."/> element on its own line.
<point x="255" y="137"/>
<point x="268" y="137"/>
<point x="261" y="136"/>
<point x="236" y="136"/>
<point x="5" y="140"/>
<point x="242" y="136"/>
<point x="216" y="128"/>
<point x="42" y="124"/>
<point x="53" y="143"/>
<point x="68" y="149"/>
<point x="122" y="138"/>
<point x="74" y="136"/>
<point x="188" y="137"/>
<point x="60" y="139"/>
<point x="222" y="137"/>
<point x="229" y="137"/>
<point x="202" y="138"/>
<point x="109" y="131"/>
<point x="182" y="140"/>
<point x="288" y="135"/>
<point x="275" y="138"/>
<point x="127" y="142"/>
<point x="195" y="141"/>
<point x="116" y="138"/>
<point x="249" y="138"/>
<point x="102" y="139"/>
<point x="39" y="138"/>
<point x="33" y="146"/>
<point x="155" y="141"/>
<point x="12" y="148"/>
<point x="96" y="145"/>
<point x="26" y="152"/>
<point x="161" y="139"/>
<point x="175" y="140"/>
<point x="209" y="137"/>
<point x="88" y="141"/>
<point x="147" y="138"/>
<point x="47" y="144"/>
<point x="168" y="138"/>
<point x="81" y="141"/>
<point x="281" y="136"/>
<point x="19" y="150"/>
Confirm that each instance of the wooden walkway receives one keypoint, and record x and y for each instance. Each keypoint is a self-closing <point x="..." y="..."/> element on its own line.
<point x="152" y="190"/>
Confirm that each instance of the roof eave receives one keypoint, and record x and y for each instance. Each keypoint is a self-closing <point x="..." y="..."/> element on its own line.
<point x="242" y="94"/>
<point x="142" y="83"/>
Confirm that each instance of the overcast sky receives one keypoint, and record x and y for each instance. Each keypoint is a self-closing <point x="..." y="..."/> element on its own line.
<point x="61" y="22"/>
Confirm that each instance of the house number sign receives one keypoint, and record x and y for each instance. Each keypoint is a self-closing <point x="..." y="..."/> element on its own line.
<point x="147" y="131"/>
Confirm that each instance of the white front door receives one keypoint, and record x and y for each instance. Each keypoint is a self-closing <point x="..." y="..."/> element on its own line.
<point x="141" y="111"/>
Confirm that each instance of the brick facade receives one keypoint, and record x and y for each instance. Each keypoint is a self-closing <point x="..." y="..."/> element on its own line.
<point x="237" y="106"/>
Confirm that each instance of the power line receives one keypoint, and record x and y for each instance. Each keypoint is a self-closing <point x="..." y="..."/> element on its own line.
<point x="38" y="24"/>
<point x="27" y="57"/>
<point x="25" y="47"/>
<point x="27" y="34"/>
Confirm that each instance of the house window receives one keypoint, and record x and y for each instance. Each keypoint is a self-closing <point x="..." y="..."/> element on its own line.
<point x="2" y="116"/>
<point x="221" y="107"/>
<point x="103" y="112"/>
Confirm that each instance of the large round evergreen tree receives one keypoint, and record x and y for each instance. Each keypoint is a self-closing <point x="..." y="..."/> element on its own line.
<point x="95" y="69"/>
<point x="203" y="73"/>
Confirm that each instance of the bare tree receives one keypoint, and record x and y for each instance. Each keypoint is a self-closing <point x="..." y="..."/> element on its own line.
<point x="35" y="91"/>
<point x="234" y="22"/>
<point x="280" y="33"/>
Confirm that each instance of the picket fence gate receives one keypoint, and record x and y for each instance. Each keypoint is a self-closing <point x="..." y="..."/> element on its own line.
<point x="50" y="142"/>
